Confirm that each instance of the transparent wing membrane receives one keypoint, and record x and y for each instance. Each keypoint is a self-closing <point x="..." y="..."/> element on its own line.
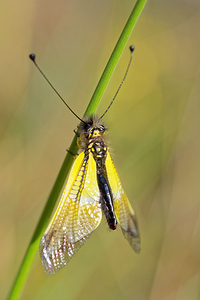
<point x="124" y="212"/>
<point x="77" y="216"/>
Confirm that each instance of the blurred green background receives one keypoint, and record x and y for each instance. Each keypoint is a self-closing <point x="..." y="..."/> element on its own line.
<point x="154" y="135"/>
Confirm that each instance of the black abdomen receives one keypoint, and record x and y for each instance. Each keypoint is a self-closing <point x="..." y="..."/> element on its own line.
<point x="106" y="201"/>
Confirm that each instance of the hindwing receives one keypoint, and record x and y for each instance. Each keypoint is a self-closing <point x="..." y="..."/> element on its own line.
<point x="123" y="210"/>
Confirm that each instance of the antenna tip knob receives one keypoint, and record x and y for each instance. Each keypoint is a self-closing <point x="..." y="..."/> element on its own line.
<point x="32" y="57"/>
<point x="132" y="48"/>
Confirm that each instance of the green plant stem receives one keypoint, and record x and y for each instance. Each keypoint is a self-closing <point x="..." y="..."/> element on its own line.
<point x="61" y="178"/>
<point x="110" y="67"/>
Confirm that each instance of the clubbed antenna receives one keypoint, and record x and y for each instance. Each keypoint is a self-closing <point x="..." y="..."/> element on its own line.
<point x="131" y="49"/>
<point x="32" y="57"/>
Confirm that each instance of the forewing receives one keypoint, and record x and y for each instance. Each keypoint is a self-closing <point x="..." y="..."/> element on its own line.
<point x="77" y="216"/>
<point x="123" y="210"/>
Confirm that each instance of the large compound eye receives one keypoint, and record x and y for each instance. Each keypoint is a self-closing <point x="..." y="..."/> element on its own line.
<point x="88" y="126"/>
<point x="101" y="129"/>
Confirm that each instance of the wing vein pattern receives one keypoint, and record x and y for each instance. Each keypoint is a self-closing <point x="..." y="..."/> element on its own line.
<point x="123" y="210"/>
<point x="77" y="216"/>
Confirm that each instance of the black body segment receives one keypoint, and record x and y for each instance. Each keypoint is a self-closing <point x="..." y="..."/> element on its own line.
<point x="99" y="151"/>
<point x="106" y="201"/>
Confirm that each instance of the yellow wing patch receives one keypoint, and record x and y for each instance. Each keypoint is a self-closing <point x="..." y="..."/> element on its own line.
<point x="124" y="212"/>
<point x="77" y="216"/>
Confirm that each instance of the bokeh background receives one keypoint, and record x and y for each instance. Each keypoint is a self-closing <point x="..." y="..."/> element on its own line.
<point x="153" y="129"/>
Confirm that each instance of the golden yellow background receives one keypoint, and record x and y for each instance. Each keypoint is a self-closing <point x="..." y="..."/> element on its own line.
<point x="154" y="132"/>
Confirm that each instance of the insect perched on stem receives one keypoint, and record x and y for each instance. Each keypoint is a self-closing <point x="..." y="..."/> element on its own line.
<point x="93" y="187"/>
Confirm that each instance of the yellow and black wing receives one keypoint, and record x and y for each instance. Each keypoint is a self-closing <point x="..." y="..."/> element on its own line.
<point x="124" y="212"/>
<point x="77" y="216"/>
